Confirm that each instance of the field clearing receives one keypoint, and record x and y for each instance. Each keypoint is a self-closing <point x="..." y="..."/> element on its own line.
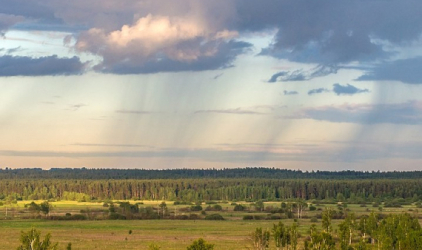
<point x="169" y="234"/>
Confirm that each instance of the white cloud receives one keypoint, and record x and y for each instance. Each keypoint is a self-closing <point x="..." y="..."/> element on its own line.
<point x="151" y="38"/>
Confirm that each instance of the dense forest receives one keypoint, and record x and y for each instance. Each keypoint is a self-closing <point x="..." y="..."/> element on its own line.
<point x="211" y="189"/>
<point x="265" y="173"/>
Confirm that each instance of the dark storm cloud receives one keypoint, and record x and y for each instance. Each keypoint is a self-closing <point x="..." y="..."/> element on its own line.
<point x="406" y="71"/>
<point x="400" y="113"/>
<point x="332" y="31"/>
<point x="8" y="20"/>
<point x="15" y="12"/>
<point x="27" y="8"/>
<point x="50" y="65"/>
<point x="347" y="89"/>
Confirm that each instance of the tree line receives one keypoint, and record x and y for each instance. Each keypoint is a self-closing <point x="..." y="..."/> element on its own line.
<point x="211" y="189"/>
<point x="145" y="174"/>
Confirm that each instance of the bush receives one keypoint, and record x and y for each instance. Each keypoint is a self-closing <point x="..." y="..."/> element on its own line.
<point x="69" y="217"/>
<point x="116" y="216"/>
<point x="214" y="208"/>
<point x="274" y="217"/>
<point x="182" y="217"/>
<point x="193" y="217"/>
<point x="217" y="207"/>
<point x="392" y="204"/>
<point x="314" y="219"/>
<point x="239" y="207"/>
<point x="196" y="208"/>
<point x="200" y="244"/>
<point x="312" y="208"/>
<point x="214" y="217"/>
<point x="182" y="203"/>
<point x="248" y="217"/>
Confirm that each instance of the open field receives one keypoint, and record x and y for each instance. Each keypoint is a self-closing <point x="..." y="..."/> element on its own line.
<point x="172" y="234"/>
<point x="232" y="233"/>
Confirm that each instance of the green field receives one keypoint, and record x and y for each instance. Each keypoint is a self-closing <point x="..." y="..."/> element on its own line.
<point x="232" y="233"/>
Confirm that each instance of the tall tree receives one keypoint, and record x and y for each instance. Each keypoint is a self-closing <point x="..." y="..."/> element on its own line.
<point x="31" y="240"/>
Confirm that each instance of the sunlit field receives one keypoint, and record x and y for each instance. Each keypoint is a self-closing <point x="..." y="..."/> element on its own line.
<point x="232" y="233"/>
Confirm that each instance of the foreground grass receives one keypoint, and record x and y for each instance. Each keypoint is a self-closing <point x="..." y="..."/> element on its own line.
<point x="169" y="234"/>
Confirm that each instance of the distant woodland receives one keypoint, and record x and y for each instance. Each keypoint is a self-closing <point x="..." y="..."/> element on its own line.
<point x="265" y="173"/>
<point x="249" y="184"/>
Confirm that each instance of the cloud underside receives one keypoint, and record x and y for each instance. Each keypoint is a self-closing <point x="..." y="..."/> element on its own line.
<point x="318" y="91"/>
<point x="223" y="58"/>
<point x="406" y="70"/>
<point x="402" y="113"/>
<point x="339" y="89"/>
<point x="50" y="65"/>
<point x="347" y="89"/>
<point x="333" y="32"/>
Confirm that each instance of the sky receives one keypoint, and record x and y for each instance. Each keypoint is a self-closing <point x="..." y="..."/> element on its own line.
<point x="160" y="84"/>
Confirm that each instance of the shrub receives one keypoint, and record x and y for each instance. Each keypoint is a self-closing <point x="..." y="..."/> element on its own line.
<point x="193" y="217"/>
<point x="239" y="207"/>
<point x="154" y="247"/>
<point x="182" y="217"/>
<point x="200" y="244"/>
<point x="275" y="217"/>
<point x="214" y="217"/>
<point x="196" y="208"/>
<point x="217" y="207"/>
<point x="248" y="217"/>
<point x="116" y="216"/>
<point x="182" y="203"/>
<point x="214" y="208"/>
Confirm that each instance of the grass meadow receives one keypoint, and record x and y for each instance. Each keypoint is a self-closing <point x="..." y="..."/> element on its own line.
<point x="232" y="233"/>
